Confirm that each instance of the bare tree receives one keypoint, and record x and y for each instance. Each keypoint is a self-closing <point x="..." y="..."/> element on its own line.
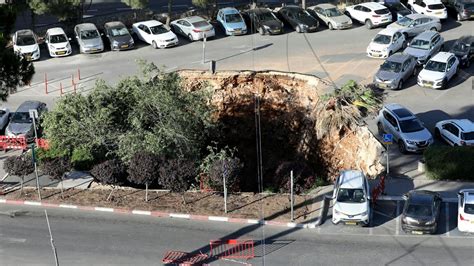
<point x="56" y="168"/>
<point x="19" y="166"/>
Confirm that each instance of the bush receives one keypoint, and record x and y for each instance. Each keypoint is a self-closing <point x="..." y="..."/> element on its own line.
<point x="143" y="168"/>
<point x="111" y="172"/>
<point x="231" y="168"/>
<point x="177" y="175"/>
<point x="56" y="167"/>
<point x="449" y="163"/>
<point x="82" y="158"/>
<point x="303" y="177"/>
<point x="18" y="166"/>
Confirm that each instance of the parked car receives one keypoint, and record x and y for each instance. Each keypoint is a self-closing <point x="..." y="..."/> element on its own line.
<point x="298" y="18"/>
<point x="118" y="35"/>
<point x="263" y="21"/>
<point x="424" y="46"/>
<point x="25" y="43"/>
<point x="371" y="14"/>
<point x="155" y="33"/>
<point x="463" y="48"/>
<point x="464" y="9"/>
<point x="88" y="38"/>
<point x="415" y="24"/>
<point x="21" y="125"/>
<point x="393" y="73"/>
<point x="194" y="28"/>
<point x="57" y="42"/>
<point x="397" y="9"/>
<point x="456" y="132"/>
<point x="466" y="210"/>
<point x="434" y="8"/>
<point x="4" y="117"/>
<point x="231" y="21"/>
<point x="421" y="212"/>
<point x="351" y="199"/>
<point x="438" y="71"/>
<point x="407" y="130"/>
<point x="385" y="43"/>
<point x="330" y="15"/>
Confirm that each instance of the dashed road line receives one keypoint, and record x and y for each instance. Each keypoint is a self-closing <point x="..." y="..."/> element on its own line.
<point x="397" y="220"/>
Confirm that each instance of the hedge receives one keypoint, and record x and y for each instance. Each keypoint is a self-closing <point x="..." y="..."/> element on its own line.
<point x="450" y="163"/>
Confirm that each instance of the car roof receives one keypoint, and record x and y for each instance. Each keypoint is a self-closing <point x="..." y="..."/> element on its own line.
<point x="26" y="106"/>
<point x="421" y="196"/>
<point x="149" y="23"/>
<point x="291" y="7"/>
<point x="428" y="2"/>
<point x="55" y="31"/>
<point x="325" y="6"/>
<point x="441" y="57"/>
<point x="416" y="16"/>
<point x="352" y="179"/>
<point x="25" y="32"/>
<point x="399" y="57"/>
<point x="86" y="26"/>
<point x="114" y="24"/>
<point x="426" y="35"/>
<point x="465" y="125"/>
<point x="400" y="111"/>
<point x="194" y="19"/>
<point x="229" y="10"/>
<point x="373" y="5"/>
<point x="388" y="31"/>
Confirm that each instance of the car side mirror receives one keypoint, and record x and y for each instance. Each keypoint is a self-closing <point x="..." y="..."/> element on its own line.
<point x="460" y="194"/>
<point x="69" y="39"/>
<point x="101" y="34"/>
<point x="397" y="129"/>
<point x="46" y="41"/>
<point x="405" y="196"/>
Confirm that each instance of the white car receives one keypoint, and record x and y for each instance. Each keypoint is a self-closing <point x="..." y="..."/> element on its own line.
<point x="456" y="132"/>
<point x="155" y="33"/>
<point x="439" y="70"/>
<point x="434" y="8"/>
<point x="385" y="43"/>
<point x="4" y="117"/>
<point x="466" y="210"/>
<point x="57" y="42"/>
<point x="194" y="28"/>
<point x="371" y="14"/>
<point x="25" y="43"/>
<point x="351" y="199"/>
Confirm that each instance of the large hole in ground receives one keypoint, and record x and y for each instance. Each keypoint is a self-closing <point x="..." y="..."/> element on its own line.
<point x="287" y="127"/>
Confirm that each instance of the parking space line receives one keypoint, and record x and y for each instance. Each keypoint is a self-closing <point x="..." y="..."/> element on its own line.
<point x="397" y="220"/>
<point x="447" y="219"/>
<point x="371" y="231"/>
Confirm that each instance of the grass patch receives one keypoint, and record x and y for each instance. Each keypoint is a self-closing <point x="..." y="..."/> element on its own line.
<point x="450" y="163"/>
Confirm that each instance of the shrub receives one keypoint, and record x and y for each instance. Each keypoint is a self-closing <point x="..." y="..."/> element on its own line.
<point x="303" y="177"/>
<point x="231" y="168"/>
<point x="449" y="163"/>
<point x="19" y="166"/>
<point x="56" y="168"/>
<point x="82" y="158"/>
<point x="177" y="174"/>
<point x="110" y="172"/>
<point x="143" y="169"/>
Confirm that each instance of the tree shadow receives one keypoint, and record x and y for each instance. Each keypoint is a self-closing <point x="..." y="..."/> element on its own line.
<point x="250" y="203"/>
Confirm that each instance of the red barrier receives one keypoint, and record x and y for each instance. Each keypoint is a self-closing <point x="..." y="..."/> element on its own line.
<point x="183" y="258"/>
<point x="12" y="143"/>
<point x="46" y="83"/>
<point x="232" y="249"/>
<point x="203" y="187"/>
<point x="42" y="143"/>
<point x="379" y="189"/>
<point x="78" y="74"/>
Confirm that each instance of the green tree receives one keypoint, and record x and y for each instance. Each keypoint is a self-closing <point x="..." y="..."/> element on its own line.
<point x="136" y="4"/>
<point x="210" y="5"/>
<point x="64" y="10"/>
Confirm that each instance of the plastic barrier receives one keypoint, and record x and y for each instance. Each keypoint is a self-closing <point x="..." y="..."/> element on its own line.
<point x="12" y="143"/>
<point x="42" y="143"/>
<point x="379" y="189"/>
<point x="232" y="249"/>
<point x="183" y="258"/>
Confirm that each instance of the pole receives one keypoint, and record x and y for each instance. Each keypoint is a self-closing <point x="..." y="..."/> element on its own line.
<point x="388" y="167"/>
<point x="225" y="191"/>
<point x="78" y="74"/>
<point x="291" y="199"/>
<point x="204" y="49"/>
<point x="52" y="241"/>
<point x="46" y="83"/>
<point x="34" y="159"/>
<point x="303" y="4"/>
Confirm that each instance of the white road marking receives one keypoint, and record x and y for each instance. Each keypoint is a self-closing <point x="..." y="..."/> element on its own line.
<point x="67" y="206"/>
<point x="101" y="209"/>
<point x="141" y="212"/>
<point x="252" y="221"/>
<point x="3" y="201"/>
<point x="217" y="218"/>
<point x="447" y="219"/>
<point x="371" y="231"/>
<point x="33" y="203"/>
<point x="178" y="215"/>
<point x="397" y="220"/>
<point x="12" y="240"/>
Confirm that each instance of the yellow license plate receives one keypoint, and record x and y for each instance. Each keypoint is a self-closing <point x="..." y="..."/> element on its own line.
<point x="439" y="13"/>
<point x="417" y="232"/>
<point x="472" y="222"/>
<point x="351" y="223"/>
<point x="62" y="52"/>
<point x="124" y="46"/>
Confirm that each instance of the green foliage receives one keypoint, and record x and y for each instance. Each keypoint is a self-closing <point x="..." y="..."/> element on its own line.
<point x="110" y="172"/>
<point x="62" y="9"/>
<point x="136" y="4"/>
<point x="177" y="175"/>
<point x="220" y="162"/>
<point x="215" y="154"/>
<point x="449" y="163"/>
<point x="202" y="3"/>
<point x="82" y="158"/>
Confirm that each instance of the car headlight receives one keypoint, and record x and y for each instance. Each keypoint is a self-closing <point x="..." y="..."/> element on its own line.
<point x="430" y="140"/>
<point x="430" y="222"/>
<point x="377" y="79"/>
<point x="464" y="56"/>
<point x="304" y="26"/>
<point x="36" y="50"/>
<point x="68" y="46"/>
<point x="410" y="142"/>
<point x="364" y="213"/>
<point x="336" y="211"/>
<point x="51" y="47"/>
<point x="266" y="27"/>
<point x="115" y="43"/>
<point x="384" y="49"/>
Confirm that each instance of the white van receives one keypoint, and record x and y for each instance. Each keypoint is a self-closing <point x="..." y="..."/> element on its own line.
<point x="432" y="8"/>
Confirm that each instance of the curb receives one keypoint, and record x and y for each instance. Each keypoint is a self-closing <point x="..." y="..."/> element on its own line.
<point x="158" y="214"/>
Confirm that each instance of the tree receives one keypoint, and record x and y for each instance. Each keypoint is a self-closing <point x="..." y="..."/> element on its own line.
<point x="219" y="163"/>
<point x="168" y="18"/>
<point x="177" y="175"/>
<point x="136" y="4"/>
<point x="19" y="166"/>
<point x="205" y="4"/>
<point x="64" y="10"/>
<point x="56" y="168"/>
<point x="143" y="169"/>
<point x="111" y="172"/>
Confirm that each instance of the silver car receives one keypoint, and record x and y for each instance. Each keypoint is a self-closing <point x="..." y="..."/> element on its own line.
<point x="415" y="24"/>
<point x="424" y="46"/>
<point x="21" y="124"/>
<point x="88" y="38"/>
<point x="396" y="70"/>
<point x="331" y="16"/>
<point x="407" y="130"/>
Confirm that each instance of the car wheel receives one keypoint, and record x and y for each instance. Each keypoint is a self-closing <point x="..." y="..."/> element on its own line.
<point x="380" y="128"/>
<point x="154" y="45"/>
<point x="368" y="24"/>
<point x="298" y="29"/>
<point x="401" y="147"/>
<point x="400" y="85"/>
<point x="190" y="37"/>
<point x="437" y="133"/>
<point x="434" y="29"/>
<point x="330" y="26"/>
<point x="261" y="30"/>
<point x="445" y="84"/>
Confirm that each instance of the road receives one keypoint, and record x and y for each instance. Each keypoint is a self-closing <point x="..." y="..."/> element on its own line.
<point x="88" y="238"/>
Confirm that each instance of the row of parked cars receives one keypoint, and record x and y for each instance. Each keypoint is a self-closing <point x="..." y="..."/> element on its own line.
<point x="420" y="213"/>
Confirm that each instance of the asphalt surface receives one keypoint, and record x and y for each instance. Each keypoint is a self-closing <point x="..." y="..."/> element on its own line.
<point x="90" y="238"/>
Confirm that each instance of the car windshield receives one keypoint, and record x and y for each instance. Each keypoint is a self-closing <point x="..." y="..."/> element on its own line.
<point x="58" y="38"/>
<point x="420" y="44"/>
<point x="436" y="66"/>
<point x="382" y="11"/>
<point x="25" y="40"/>
<point x="382" y="39"/>
<point x="469" y="208"/>
<point x="391" y="66"/>
<point x="469" y="6"/>
<point x="264" y="16"/>
<point x="436" y="6"/>
<point x="419" y="210"/>
<point x="122" y="31"/>
<point x="21" y="118"/>
<point x="404" y="21"/>
<point x="412" y="125"/>
<point x="397" y="6"/>
<point x="89" y="34"/>
<point x="159" y="29"/>
<point x="460" y="47"/>
<point x="233" y="18"/>
<point x="348" y="195"/>
<point x="333" y="12"/>
<point x="200" y="24"/>
<point x="301" y="14"/>
<point x="467" y="135"/>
